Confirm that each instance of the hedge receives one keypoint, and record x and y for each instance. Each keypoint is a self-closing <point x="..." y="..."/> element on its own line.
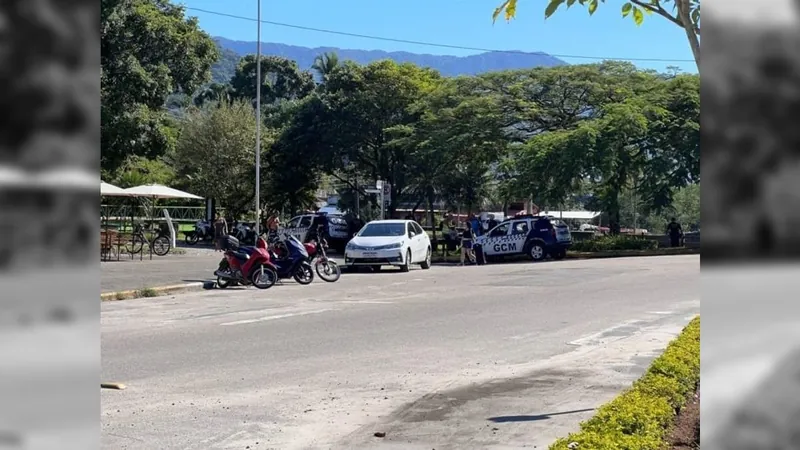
<point x="606" y="243"/>
<point x="640" y="418"/>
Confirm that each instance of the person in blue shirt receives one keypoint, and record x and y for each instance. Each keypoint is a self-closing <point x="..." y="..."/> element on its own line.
<point x="475" y="224"/>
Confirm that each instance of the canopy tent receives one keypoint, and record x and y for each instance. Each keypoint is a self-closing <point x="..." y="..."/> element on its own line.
<point x="109" y="190"/>
<point x="155" y="191"/>
<point x="574" y="215"/>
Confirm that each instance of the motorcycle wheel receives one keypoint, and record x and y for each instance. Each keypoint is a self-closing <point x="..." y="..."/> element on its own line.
<point x="328" y="270"/>
<point x="304" y="274"/>
<point x="191" y="238"/>
<point x="222" y="283"/>
<point x="263" y="277"/>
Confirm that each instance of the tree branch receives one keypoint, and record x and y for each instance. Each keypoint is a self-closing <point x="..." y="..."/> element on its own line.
<point x="658" y="9"/>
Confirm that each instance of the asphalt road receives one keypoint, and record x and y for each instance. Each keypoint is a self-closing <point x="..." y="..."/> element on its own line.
<point x="498" y="356"/>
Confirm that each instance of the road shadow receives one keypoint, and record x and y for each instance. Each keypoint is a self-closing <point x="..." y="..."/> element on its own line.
<point x="524" y="418"/>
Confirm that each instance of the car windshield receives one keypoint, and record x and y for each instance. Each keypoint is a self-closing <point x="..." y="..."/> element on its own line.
<point x="383" y="230"/>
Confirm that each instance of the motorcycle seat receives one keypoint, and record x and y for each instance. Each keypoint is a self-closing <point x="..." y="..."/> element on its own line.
<point x="240" y="255"/>
<point x="247" y="250"/>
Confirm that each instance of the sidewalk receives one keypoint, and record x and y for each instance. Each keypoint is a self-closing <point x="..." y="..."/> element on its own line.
<point x="197" y="265"/>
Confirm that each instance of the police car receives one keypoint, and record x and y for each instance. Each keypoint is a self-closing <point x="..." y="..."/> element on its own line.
<point x="337" y="233"/>
<point x="535" y="236"/>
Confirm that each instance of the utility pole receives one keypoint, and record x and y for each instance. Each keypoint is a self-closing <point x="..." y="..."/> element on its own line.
<point x="358" y="199"/>
<point x="258" y="121"/>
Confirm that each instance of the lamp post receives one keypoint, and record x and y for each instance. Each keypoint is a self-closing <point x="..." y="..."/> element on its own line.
<point x="258" y="121"/>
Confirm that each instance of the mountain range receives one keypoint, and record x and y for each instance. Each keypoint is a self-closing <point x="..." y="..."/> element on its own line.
<point x="446" y="65"/>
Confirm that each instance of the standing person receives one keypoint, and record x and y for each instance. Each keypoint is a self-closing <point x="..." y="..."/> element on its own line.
<point x="675" y="232"/>
<point x="273" y="223"/>
<point x="475" y="225"/>
<point x="492" y="222"/>
<point x="467" y="240"/>
<point x="220" y="232"/>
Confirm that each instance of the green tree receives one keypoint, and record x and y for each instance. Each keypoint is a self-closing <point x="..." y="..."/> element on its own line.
<point x="648" y="137"/>
<point x="137" y="170"/>
<point x="364" y="105"/>
<point x="298" y="155"/>
<point x="214" y="93"/>
<point x="324" y="64"/>
<point x="281" y="79"/>
<point x="215" y="155"/>
<point x="683" y="13"/>
<point x="149" y="50"/>
<point x="458" y="134"/>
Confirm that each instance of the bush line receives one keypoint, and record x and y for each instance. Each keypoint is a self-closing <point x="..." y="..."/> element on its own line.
<point x="641" y="417"/>
<point x="607" y="243"/>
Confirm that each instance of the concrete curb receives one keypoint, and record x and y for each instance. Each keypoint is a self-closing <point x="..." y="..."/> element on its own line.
<point x="150" y="292"/>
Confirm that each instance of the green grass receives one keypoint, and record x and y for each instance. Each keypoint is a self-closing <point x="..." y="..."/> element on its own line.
<point x="147" y="293"/>
<point x="640" y="418"/>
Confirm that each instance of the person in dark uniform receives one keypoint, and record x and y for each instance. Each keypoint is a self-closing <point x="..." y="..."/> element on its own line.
<point x="492" y="222"/>
<point x="675" y="232"/>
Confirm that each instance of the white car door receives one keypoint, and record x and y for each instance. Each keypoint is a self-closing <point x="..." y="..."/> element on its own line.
<point x="422" y="242"/>
<point x="495" y="241"/>
<point x="413" y="242"/>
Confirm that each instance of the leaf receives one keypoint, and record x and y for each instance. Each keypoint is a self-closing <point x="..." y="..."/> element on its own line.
<point x="552" y="7"/>
<point x="638" y="16"/>
<point x="592" y="6"/>
<point x="626" y="9"/>
<point x="696" y="16"/>
<point x="570" y="3"/>
<point x="498" y="11"/>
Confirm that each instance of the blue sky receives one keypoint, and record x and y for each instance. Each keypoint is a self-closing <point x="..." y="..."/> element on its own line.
<point x="454" y="22"/>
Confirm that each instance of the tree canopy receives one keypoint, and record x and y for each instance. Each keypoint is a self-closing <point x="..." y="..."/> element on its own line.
<point x="589" y="136"/>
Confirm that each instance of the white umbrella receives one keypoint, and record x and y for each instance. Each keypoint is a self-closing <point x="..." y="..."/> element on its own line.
<point x="109" y="190"/>
<point x="158" y="191"/>
<point x="13" y="176"/>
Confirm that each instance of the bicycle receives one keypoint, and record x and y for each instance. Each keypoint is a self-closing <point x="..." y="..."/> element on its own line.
<point x="160" y="245"/>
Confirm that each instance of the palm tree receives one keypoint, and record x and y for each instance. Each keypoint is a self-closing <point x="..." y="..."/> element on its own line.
<point x="324" y="65"/>
<point x="215" y="92"/>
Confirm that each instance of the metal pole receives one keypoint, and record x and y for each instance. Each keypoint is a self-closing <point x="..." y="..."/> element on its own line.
<point x="383" y="202"/>
<point x="358" y="200"/>
<point x="258" y="121"/>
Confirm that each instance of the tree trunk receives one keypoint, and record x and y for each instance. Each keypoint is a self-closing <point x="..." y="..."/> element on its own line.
<point x="431" y="220"/>
<point x="688" y="27"/>
<point x="614" y="213"/>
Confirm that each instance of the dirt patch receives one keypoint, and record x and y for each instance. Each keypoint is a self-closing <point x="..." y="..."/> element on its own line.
<point x="685" y="434"/>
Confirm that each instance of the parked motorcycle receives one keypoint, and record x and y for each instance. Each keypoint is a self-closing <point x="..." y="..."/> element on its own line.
<point x="327" y="269"/>
<point x="245" y="234"/>
<point x="203" y="231"/>
<point x="246" y="265"/>
<point x="294" y="262"/>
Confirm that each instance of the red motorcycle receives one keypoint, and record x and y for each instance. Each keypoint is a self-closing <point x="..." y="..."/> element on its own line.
<point x="246" y="265"/>
<point x="327" y="269"/>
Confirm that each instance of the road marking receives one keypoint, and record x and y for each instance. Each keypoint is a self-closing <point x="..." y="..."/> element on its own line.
<point x="280" y="316"/>
<point x="596" y="337"/>
<point x="661" y="313"/>
<point x="365" y="302"/>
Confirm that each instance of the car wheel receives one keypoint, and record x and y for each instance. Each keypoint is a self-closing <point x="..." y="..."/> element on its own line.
<point x="407" y="263"/>
<point x="536" y="252"/>
<point x="427" y="263"/>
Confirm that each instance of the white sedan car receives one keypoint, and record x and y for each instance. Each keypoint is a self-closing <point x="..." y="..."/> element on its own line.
<point x="398" y="243"/>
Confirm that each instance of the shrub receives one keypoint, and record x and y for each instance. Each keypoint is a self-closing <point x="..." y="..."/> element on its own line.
<point x="639" y="418"/>
<point x="607" y="243"/>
